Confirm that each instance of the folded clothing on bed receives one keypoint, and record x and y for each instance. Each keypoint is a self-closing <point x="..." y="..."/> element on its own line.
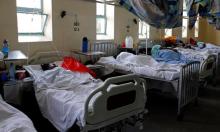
<point x="12" y="119"/>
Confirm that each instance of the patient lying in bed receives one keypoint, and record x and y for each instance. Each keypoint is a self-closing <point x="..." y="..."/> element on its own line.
<point x="61" y="94"/>
<point x="141" y="65"/>
<point x="170" y="56"/>
<point x="12" y="120"/>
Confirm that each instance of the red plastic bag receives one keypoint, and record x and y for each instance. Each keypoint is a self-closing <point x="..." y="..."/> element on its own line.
<point x="70" y="63"/>
<point x="192" y="41"/>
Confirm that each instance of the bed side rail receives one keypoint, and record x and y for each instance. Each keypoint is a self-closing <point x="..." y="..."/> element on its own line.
<point x="207" y="67"/>
<point x="188" y="85"/>
<point x="217" y="67"/>
<point x="116" y="102"/>
<point x="48" y="57"/>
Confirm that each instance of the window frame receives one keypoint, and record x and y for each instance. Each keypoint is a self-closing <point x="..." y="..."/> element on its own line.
<point x="186" y="18"/>
<point x="104" y="17"/>
<point x="38" y="11"/>
<point x="141" y="32"/>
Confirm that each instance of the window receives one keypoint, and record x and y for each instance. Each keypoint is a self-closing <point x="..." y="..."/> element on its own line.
<point x="144" y="30"/>
<point x="104" y="21"/>
<point x="168" y="32"/>
<point x="196" y="33"/>
<point x="32" y="20"/>
<point x="185" y="21"/>
<point x="101" y="18"/>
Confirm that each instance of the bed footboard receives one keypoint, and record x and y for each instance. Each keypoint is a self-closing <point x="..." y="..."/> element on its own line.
<point x="117" y="99"/>
<point x="188" y="85"/>
<point x="207" y="67"/>
<point x="217" y="66"/>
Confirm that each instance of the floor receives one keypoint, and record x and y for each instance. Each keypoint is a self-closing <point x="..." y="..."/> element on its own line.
<point x="162" y="114"/>
<point x="202" y="118"/>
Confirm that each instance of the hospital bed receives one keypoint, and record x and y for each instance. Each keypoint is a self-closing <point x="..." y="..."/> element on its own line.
<point x="208" y="61"/>
<point x="12" y="119"/>
<point x="185" y="81"/>
<point x="118" y="99"/>
<point x="215" y="50"/>
<point x="184" y="78"/>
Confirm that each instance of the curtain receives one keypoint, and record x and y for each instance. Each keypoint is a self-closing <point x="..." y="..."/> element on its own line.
<point x="157" y="13"/>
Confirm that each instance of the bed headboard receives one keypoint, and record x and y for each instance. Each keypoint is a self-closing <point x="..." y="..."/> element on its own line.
<point x="208" y="66"/>
<point x="109" y="47"/>
<point x="48" y="57"/>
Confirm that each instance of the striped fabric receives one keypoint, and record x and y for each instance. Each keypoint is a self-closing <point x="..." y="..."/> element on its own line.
<point x="157" y="13"/>
<point x="209" y="9"/>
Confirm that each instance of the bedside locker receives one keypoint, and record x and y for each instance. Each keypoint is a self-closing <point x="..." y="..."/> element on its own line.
<point x="13" y="90"/>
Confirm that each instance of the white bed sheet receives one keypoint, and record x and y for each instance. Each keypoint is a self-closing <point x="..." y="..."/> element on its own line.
<point x="212" y="48"/>
<point x="194" y="55"/>
<point x="12" y="120"/>
<point x="62" y="94"/>
<point x="142" y="65"/>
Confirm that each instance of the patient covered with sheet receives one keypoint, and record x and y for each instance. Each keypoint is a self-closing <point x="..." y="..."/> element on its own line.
<point x="168" y="55"/>
<point x="141" y="64"/>
<point x="61" y="94"/>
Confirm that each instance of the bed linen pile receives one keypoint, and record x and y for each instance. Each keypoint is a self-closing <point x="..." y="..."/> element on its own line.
<point x="12" y="120"/>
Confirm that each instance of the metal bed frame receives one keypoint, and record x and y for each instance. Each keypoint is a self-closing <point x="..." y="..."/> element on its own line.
<point x="209" y="67"/>
<point x="108" y="47"/>
<point x="187" y="84"/>
<point x="217" y="66"/>
<point x="105" y="113"/>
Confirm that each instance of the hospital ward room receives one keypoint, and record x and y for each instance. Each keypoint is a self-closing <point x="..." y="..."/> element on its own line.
<point x="110" y="66"/>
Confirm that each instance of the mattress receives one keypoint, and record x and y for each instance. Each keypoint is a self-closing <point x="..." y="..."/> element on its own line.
<point x="61" y="95"/>
<point x="12" y="120"/>
<point x="141" y="65"/>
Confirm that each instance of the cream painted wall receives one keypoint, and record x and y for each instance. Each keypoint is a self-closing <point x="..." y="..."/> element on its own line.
<point x="64" y="38"/>
<point x="122" y="19"/>
<point x="209" y="33"/>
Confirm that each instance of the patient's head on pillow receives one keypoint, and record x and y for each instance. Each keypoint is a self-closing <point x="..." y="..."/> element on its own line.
<point x="47" y="66"/>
